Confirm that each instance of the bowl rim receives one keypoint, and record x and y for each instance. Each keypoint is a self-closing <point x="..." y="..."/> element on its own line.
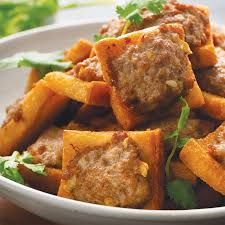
<point x="94" y="209"/>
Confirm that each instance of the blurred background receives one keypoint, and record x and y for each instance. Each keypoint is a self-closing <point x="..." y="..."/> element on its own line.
<point x="18" y="15"/>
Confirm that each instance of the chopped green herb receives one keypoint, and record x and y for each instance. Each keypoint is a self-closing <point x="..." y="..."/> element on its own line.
<point x="99" y="37"/>
<point x="9" y="166"/>
<point x="131" y="11"/>
<point x="43" y="62"/>
<point x="175" y="135"/>
<point x="182" y="193"/>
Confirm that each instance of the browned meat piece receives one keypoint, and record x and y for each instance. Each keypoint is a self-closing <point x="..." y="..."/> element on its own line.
<point x="14" y="112"/>
<point x="213" y="79"/>
<point x="48" y="148"/>
<point x="195" y="22"/>
<point x="219" y="36"/>
<point x="154" y="73"/>
<point x="89" y="70"/>
<point x="217" y="147"/>
<point x="113" y="28"/>
<point x="195" y="128"/>
<point x="110" y="175"/>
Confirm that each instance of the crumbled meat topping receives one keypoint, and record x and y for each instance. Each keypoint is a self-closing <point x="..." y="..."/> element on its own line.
<point x="213" y="79"/>
<point x="217" y="147"/>
<point x="14" y="112"/>
<point x="153" y="73"/>
<point x="194" y="21"/>
<point x="89" y="70"/>
<point x="48" y="148"/>
<point x="111" y="175"/>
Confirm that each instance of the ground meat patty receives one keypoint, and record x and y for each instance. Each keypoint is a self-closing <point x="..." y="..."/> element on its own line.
<point x="153" y="73"/>
<point x="48" y="148"/>
<point x="213" y="79"/>
<point x="217" y="147"/>
<point x="195" y="128"/>
<point x="110" y="175"/>
<point x="14" y="112"/>
<point x="89" y="70"/>
<point x="194" y="21"/>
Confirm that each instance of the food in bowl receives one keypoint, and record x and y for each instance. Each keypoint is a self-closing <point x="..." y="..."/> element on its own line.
<point x="133" y="120"/>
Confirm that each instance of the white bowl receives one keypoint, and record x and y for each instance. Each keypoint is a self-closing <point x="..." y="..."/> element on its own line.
<point x="61" y="210"/>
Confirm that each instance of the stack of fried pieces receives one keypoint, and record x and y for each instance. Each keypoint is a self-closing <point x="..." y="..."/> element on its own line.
<point x="99" y="128"/>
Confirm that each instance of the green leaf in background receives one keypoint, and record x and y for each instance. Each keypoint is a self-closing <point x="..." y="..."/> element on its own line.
<point x="99" y="37"/>
<point x="20" y="15"/>
<point x="43" y="62"/>
<point x="9" y="166"/>
<point x="182" y="193"/>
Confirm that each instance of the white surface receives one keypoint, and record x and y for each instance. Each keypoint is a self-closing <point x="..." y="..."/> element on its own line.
<point x="66" y="211"/>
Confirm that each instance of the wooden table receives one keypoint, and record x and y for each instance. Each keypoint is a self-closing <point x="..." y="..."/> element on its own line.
<point x="13" y="215"/>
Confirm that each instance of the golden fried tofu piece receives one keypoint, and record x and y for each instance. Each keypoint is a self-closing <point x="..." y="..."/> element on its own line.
<point x="142" y="68"/>
<point x="205" y="158"/>
<point x="134" y="159"/>
<point x="91" y="93"/>
<point x="49" y="183"/>
<point x="80" y="51"/>
<point x="34" y="112"/>
<point x="180" y="171"/>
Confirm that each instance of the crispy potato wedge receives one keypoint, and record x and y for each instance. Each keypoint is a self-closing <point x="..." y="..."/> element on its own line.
<point x="91" y="93"/>
<point x="80" y="51"/>
<point x="151" y="152"/>
<point x="111" y="48"/>
<point x="49" y="183"/>
<point x="180" y="171"/>
<point x="32" y="79"/>
<point x="198" y="160"/>
<point x="38" y="109"/>
<point x="204" y="56"/>
<point x="214" y="106"/>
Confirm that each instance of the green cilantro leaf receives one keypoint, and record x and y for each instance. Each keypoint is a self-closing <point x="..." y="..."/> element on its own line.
<point x="131" y="11"/>
<point x="9" y="166"/>
<point x="43" y="62"/>
<point x="182" y="193"/>
<point x="178" y="143"/>
<point x="99" y="37"/>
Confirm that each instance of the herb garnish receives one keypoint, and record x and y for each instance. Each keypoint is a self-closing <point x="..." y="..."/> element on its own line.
<point x="131" y="11"/>
<point x="43" y="62"/>
<point x="99" y="37"/>
<point x="9" y="166"/>
<point x="180" y="191"/>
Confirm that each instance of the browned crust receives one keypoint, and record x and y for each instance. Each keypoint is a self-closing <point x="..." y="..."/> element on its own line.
<point x="149" y="142"/>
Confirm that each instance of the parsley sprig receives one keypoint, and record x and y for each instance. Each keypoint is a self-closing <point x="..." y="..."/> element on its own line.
<point x="99" y="37"/>
<point x="43" y="62"/>
<point x="9" y="166"/>
<point x="131" y="11"/>
<point x="179" y="190"/>
<point x="175" y="135"/>
<point x="182" y="193"/>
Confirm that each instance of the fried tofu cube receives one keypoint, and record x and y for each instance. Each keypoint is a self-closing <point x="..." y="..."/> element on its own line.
<point x="80" y="51"/>
<point x="34" y="112"/>
<point x="180" y="171"/>
<point x="91" y="93"/>
<point x="206" y="158"/>
<point x="49" y="183"/>
<point x="147" y="70"/>
<point x="124" y="169"/>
